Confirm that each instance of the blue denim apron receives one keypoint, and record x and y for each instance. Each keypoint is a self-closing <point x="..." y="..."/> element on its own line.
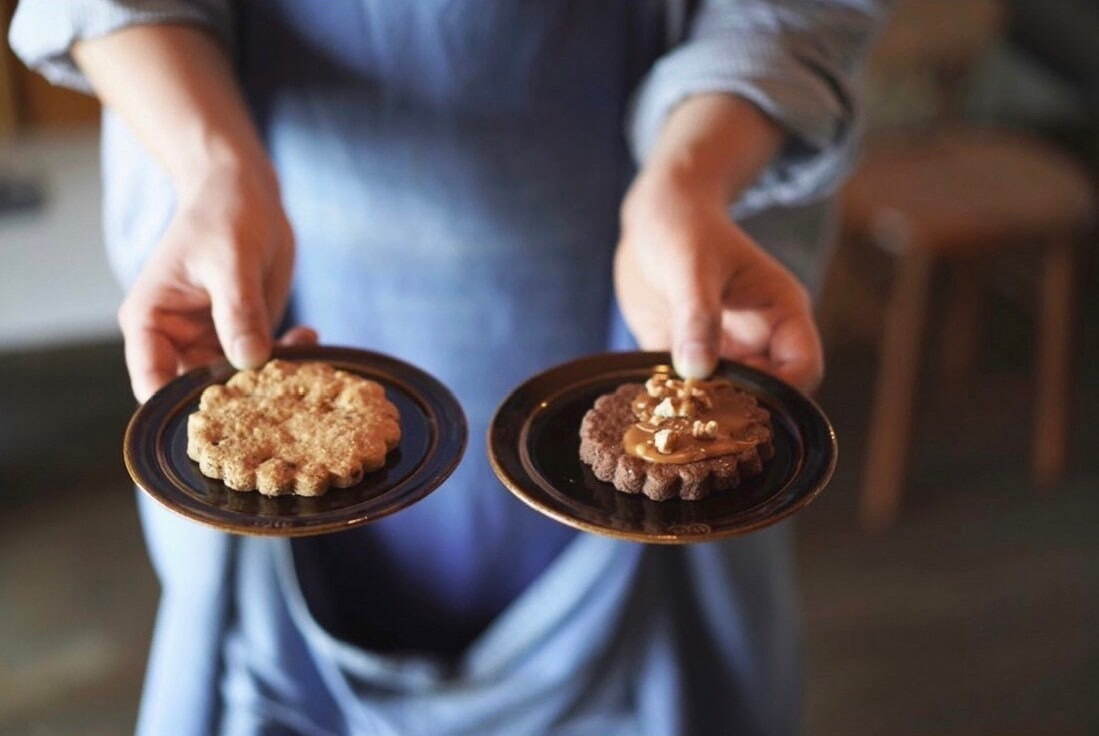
<point x="453" y="172"/>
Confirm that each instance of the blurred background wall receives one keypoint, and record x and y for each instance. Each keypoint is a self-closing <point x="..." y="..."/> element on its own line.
<point x="949" y="573"/>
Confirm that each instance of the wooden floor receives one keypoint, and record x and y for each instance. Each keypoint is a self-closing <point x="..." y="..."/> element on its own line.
<point x="976" y="614"/>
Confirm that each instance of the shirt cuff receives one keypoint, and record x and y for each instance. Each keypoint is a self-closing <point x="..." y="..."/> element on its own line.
<point x="44" y="31"/>
<point x="810" y="104"/>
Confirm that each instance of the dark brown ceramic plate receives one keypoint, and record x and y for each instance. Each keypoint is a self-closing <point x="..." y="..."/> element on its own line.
<point x="534" y="445"/>
<point x="433" y="438"/>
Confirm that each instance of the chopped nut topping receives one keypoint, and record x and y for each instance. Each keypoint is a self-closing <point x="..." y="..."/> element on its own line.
<point x="686" y="408"/>
<point x="664" y="440"/>
<point x="665" y="409"/>
<point x="656" y="420"/>
<point x="704" y="430"/>
<point x="657" y="385"/>
<point x="656" y="382"/>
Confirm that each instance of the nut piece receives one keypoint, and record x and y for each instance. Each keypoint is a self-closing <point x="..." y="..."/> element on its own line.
<point x="665" y="409"/>
<point x="664" y="440"/>
<point x="656" y="386"/>
<point x="704" y="430"/>
<point x="655" y="420"/>
<point x="702" y="397"/>
<point x="686" y="408"/>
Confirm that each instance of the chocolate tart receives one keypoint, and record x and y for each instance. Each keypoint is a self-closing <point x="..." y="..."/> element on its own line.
<point x="602" y="448"/>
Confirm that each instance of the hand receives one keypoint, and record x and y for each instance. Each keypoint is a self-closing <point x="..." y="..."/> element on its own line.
<point x="690" y="280"/>
<point x="217" y="281"/>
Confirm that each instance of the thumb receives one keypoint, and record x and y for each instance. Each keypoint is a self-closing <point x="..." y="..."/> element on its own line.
<point x="696" y="333"/>
<point x="240" y="315"/>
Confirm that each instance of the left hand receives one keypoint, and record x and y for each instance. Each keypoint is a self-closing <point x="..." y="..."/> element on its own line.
<point x="691" y="281"/>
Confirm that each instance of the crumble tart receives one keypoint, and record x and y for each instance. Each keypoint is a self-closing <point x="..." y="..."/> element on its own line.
<point x="292" y="427"/>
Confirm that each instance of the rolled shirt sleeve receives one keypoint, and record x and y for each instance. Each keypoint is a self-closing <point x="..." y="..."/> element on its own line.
<point x="794" y="59"/>
<point x="44" y="31"/>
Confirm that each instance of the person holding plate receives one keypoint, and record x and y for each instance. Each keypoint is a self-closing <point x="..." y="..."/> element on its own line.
<point x="459" y="183"/>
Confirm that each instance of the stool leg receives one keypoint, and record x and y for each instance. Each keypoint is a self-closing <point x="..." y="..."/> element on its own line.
<point x="891" y="419"/>
<point x="1054" y="367"/>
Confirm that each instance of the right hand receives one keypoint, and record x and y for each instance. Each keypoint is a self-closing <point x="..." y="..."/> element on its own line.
<point x="215" y="284"/>
<point x="691" y="281"/>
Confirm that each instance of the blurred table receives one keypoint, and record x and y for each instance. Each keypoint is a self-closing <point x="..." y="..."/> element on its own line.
<point x="57" y="286"/>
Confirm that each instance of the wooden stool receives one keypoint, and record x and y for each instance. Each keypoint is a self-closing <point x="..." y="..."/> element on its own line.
<point x="956" y="196"/>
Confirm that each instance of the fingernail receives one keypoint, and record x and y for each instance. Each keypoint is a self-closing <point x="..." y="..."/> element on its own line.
<point x="693" y="360"/>
<point x="248" y="351"/>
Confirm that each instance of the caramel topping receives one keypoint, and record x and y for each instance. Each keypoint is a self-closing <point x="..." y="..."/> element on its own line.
<point x="684" y="421"/>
